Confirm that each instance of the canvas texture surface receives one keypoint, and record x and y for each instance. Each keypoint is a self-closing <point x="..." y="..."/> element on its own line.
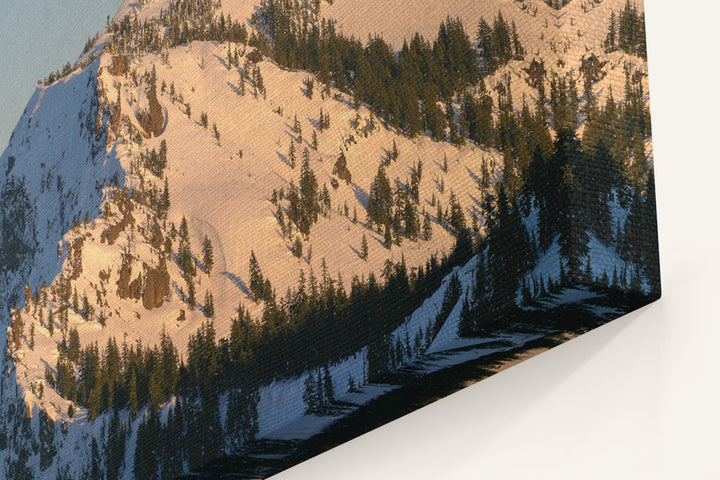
<point x="236" y="234"/>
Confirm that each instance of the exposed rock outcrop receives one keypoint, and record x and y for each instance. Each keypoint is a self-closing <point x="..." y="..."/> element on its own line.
<point x="152" y="285"/>
<point x="122" y="200"/>
<point x="157" y="286"/>
<point x="119" y="65"/>
<point x="127" y="289"/>
<point x="152" y="120"/>
<point x="75" y="257"/>
<point x="340" y="169"/>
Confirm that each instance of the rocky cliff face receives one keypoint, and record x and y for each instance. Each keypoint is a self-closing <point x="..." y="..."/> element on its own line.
<point x="157" y="286"/>
<point x="52" y="176"/>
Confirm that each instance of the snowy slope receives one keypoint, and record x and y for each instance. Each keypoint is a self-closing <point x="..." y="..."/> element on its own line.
<point x="76" y="146"/>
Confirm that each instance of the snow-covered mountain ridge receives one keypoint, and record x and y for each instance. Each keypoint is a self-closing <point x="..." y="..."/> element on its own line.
<point x="92" y="234"/>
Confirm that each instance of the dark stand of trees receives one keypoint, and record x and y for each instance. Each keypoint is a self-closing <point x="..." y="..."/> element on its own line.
<point x="627" y="31"/>
<point x="411" y="91"/>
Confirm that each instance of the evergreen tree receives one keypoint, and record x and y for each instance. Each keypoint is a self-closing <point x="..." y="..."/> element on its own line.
<point x="51" y="322"/>
<point x="291" y="155"/>
<point x="364" y="248"/>
<point x="457" y="217"/>
<point x="164" y="203"/>
<point x="96" y="472"/>
<point x="208" y="257"/>
<point x="73" y="348"/>
<point x="510" y="252"/>
<point x="427" y="227"/>
<point x="638" y="244"/>
<point x="209" y="305"/>
<point x="466" y="326"/>
<point x="611" y="38"/>
<point x="435" y="121"/>
<point x="256" y="278"/>
<point x="298" y="247"/>
<point x="379" y="209"/>
<point x="314" y="143"/>
<point x="328" y="389"/>
<point x="145" y="465"/>
<point x="310" y="394"/>
<point x="191" y="300"/>
<point x="308" y="197"/>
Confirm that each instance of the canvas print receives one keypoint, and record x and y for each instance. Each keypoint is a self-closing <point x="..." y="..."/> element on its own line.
<point x="235" y="234"/>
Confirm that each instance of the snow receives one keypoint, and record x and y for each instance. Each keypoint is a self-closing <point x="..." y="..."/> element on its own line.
<point x="306" y="426"/>
<point x="566" y="296"/>
<point x="303" y="428"/>
<point x="367" y="393"/>
<point x="442" y="360"/>
<point x="282" y="401"/>
<point x="449" y="331"/>
<point x="224" y="194"/>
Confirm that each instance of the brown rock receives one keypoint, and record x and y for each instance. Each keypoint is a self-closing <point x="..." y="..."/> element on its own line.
<point x="124" y="273"/>
<point x="75" y="257"/>
<point x="152" y="120"/>
<point x="340" y="169"/>
<point x="157" y="286"/>
<point x="119" y="65"/>
<point x="135" y="288"/>
<point x="156" y="238"/>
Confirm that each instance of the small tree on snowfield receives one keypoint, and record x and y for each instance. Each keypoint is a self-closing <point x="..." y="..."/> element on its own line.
<point x="256" y="278"/>
<point x="291" y="155"/>
<point x="298" y="247"/>
<point x="216" y="133"/>
<point x="209" y="305"/>
<point x="208" y="257"/>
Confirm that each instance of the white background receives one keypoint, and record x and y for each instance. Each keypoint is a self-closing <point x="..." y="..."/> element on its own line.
<point x="638" y="398"/>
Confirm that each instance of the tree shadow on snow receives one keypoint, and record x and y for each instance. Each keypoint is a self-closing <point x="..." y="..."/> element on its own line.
<point x="237" y="281"/>
<point x="360" y="195"/>
<point x="356" y="251"/>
